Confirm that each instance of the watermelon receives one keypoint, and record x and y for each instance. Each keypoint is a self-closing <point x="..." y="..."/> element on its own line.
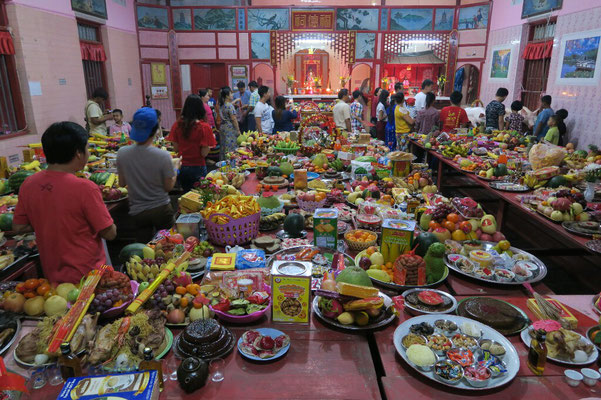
<point x="424" y="240"/>
<point x="366" y="159"/>
<point x="6" y="222"/>
<point x="294" y="224"/>
<point x="430" y="298"/>
<point x="131" y="250"/>
<point x="16" y="180"/>
<point x="100" y="178"/>
<point x="557" y="181"/>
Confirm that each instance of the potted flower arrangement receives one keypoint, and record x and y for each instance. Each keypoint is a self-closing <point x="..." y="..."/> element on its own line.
<point x="289" y="81"/>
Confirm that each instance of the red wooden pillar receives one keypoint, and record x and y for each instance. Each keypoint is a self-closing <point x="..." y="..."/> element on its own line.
<point x="174" y="68"/>
<point x="451" y="62"/>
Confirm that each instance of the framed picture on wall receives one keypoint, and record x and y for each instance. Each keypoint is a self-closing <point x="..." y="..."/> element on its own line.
<point x="537" y="7"/>
<point x="579" y="59"/>
<point x="96" y="8"/>
<point x="159" y="92"/>
<point x="239" y="71"/>
<point x="475" y="17"/>
<point x="158" y="74"/>
<point x="500" y="63"/>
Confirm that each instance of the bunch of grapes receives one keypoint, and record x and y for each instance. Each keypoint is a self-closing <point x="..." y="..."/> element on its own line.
<point x="441" y="211"/>
<point x="108" y="299"/>
<point x="156" y="300"/>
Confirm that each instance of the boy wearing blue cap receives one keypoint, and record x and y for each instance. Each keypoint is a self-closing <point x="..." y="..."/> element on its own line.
<point x="149" y="173"/>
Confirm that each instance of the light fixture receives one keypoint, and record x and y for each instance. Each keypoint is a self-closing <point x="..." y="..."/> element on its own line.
<point x="313" y="41"/>
<point x="420" y="41"/>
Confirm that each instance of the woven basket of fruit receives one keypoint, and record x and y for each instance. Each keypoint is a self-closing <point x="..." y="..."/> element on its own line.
<point x="360" y="239"/>
<point x="311" y="201"/>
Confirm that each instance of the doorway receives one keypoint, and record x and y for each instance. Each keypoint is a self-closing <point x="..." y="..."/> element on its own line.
<point x="212" y="76"/>
<point x="471" y="83"/>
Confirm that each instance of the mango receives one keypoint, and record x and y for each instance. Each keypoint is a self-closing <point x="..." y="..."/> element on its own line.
<point x="346" y="318"/>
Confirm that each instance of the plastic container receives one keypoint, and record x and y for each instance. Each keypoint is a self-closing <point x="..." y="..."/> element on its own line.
<point x="188" y="225"/>
<point x="236" y="231"/>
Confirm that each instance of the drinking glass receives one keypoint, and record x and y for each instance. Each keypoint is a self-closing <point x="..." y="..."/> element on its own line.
<point x="54" y="375"/>
<point x="216" y="369"/>
<point x="172" y="365"/>
<point x="37" y="378"/>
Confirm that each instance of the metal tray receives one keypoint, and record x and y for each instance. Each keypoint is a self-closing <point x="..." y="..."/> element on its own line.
<point x="511" y="358"/>
<point x="525" y="336"/>
<point x="574" y="227"/>
<point x="5" y="348"/>
<point x="538" y="276"/>
<point x="379" y="324"/>
<point x="416" y="311"/>
<point x="398" y="288"/>
<point x="293" y="250"/>
<point x="516" y="187"/>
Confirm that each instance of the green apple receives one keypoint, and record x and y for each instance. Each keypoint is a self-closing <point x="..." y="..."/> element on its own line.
<point x="488" y="224"/>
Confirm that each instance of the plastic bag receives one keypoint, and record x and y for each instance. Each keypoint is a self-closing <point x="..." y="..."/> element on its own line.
<point x="546" y="155"/>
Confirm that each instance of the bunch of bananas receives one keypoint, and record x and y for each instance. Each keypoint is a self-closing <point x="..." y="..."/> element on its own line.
<point x="271" y="222"/>
<point x="533" y="183"/>
<point x="454" y="149"/>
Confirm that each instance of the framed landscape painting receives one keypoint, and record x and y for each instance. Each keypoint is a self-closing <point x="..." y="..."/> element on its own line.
<point x="411" y="19"/>
<point x="268" y="19"/>
<point x="357" y="19"/>
<point x="153" y="18"/>
<point x="182" y="19"/>
<point x="536" y="7"/>
<point x="579" y="59"/>
<point x="96" y="8"/>
<point x="259" y="45"/>
<point x="444" y="19"/>
<point x="218" y="19"/>
<point x="366" y="44"/>
<point x="500" y="63"/>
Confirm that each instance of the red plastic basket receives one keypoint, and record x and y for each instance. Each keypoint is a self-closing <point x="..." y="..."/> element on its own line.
<point x="236" y="231"/>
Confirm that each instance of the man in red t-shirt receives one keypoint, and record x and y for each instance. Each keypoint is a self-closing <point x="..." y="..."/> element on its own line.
<point x="454" y="116"/>
<point x="66" y="212"/>
<point x="192" y="138"/>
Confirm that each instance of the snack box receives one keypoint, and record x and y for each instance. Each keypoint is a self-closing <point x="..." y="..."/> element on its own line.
<point x="564" y="312"/>
<point x="191" y="201"/>
<point x="141" y="385"/>
<point x="291" y="291"/>
<point x="397" y="238"/>
<point x="222" y="262"/>
<point x="325" y="228"/>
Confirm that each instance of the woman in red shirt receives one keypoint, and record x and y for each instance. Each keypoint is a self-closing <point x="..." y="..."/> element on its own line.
<point x="192" y="138"/>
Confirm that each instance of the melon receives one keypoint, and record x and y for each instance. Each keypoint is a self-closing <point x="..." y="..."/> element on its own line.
<point x="294" y="224"/>
<point x="320" y="160"/>
<point x="287" y="168"/>
<point x="16" y="180"/>
<point x="131" y="250"/>
<point x="354" y="276"/>
<point x="6" y="222"/>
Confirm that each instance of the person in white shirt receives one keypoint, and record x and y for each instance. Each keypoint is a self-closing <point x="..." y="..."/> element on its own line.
<point x="263" y="110"/>
<point x="95" y="117"/>
<point x="342" y="111"/>
<point x="420" y="98"/>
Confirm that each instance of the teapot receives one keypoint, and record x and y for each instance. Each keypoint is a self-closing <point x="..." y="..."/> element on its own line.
<point x="192" y="374"/>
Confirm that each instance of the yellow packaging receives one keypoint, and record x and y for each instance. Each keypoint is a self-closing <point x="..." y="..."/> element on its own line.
<point x="223" y="262"/>
<point x="300" y="179"/>
<point x="397" y="238"/>
<point x="191" y="201"/>
<point x="291" y="292"/>
<point x="564" y="312"/>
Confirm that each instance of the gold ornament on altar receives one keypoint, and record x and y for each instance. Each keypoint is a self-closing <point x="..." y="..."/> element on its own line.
<point x="343" y="81"/>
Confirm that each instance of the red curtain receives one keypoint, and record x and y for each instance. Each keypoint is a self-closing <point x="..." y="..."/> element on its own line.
<point x="6" y="43"/>
<point x="92" y="51"/>
<point x="538" y="51"/>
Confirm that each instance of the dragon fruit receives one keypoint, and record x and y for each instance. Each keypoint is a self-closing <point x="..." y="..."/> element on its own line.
<point x="562" y="204"/>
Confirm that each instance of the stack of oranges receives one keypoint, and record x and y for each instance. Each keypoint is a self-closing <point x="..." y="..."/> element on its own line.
<point x="453" y="223"/>
<point x="35" y="287"/>
<point x="360" y="239"/>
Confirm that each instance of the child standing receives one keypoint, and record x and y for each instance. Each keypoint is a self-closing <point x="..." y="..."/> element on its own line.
<point x="552" y="135"/>
<point x="120" y="126"/>
<point x="515" y="120"/>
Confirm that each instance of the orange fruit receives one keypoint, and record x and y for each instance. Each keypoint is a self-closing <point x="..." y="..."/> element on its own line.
<point x="449" y="225"/>
<point x="433" y="225"/>
<point x="454" y="218"/>
<point x="31" y="284"/>
<point x="192" y="289"/>
<point x="388" y="265"/>
<point x="29" y="295"/>
<point x="183" y="302"/>
<point x="43" y="289"/>
<point x="181" y="290"/>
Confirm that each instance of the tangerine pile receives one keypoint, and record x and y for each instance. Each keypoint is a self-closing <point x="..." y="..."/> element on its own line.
<point x="35" y="287"/>
<point x="361" y="236"/>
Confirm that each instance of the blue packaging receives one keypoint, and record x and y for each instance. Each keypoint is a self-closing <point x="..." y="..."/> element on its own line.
<point x="250" y="258"/>
<point x="142" y="385"/>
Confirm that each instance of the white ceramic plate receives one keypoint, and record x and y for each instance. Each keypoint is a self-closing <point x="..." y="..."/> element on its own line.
<point x="511" y="359"/>
<point x="525" y="336"/>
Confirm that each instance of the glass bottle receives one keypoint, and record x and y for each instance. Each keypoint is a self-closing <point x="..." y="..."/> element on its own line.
<point x="149" y="364"/>
<point x="537" y="354"/>
<point x="69" y="363"/>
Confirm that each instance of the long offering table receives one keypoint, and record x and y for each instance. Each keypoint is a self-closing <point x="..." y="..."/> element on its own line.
<point x="326" y="363"/>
